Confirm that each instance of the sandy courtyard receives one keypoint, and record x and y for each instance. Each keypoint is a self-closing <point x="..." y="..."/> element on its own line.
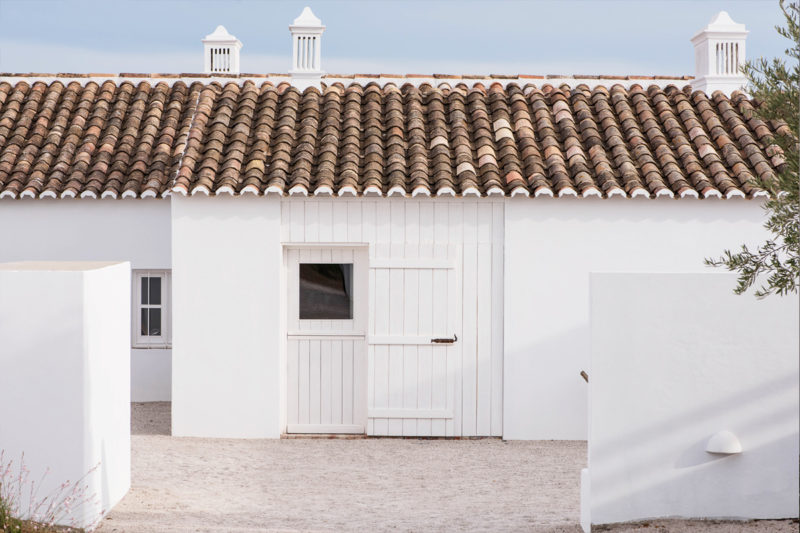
<point x="189" y="484"/>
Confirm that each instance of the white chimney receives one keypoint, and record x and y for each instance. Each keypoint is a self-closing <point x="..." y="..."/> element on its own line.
<point x="306" y="50"/>
<point x="221" y="53"/>
<point x="719" y="55"/>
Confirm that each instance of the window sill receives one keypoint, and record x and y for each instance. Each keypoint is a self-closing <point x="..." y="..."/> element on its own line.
<point x="151" y="347"/>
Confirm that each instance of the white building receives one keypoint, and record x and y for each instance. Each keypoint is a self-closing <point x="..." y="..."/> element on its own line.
<point x="395" y="256"/>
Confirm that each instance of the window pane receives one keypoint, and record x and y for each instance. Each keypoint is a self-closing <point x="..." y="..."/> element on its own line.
<point x="155" y="291"/>
<point x="143" y="325"/>
<point x="144" y="290"/>
<point x="326" y="291"/>
<point x="154" y="323"/>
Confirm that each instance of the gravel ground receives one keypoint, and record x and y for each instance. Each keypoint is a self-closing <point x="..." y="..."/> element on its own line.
<point x="189" y="484"/>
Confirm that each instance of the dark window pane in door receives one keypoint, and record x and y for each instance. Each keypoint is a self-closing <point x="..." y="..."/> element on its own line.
<point x="155" y="291"/>
<point x="154" y="322"/>
<point x="145" y="290"/>
<point x="143" y="326"/>
<point x="326" y="291"/>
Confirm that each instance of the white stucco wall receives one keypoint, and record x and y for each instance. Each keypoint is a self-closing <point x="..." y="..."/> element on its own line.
<point x="551" y="246"/>
<point x="675" y="359"/>
<point x="134" y="230"/>
<point x="64" y="385"/>
<point x="226" y="287"/>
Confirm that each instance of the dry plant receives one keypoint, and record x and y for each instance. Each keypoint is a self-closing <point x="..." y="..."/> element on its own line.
<point x="54" y="512"/>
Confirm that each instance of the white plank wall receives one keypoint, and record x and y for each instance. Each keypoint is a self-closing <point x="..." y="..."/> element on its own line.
<point x="436" y="269"/>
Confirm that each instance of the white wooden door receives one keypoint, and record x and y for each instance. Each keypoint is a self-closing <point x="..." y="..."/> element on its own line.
<point x="414" y="350"/>
<point x="326" y="348"/>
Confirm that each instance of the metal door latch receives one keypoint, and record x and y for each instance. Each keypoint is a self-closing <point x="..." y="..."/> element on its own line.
<point x="445" y="341"/>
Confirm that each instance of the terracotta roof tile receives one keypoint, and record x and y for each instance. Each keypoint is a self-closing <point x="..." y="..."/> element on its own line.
<point x="120" y="139"/>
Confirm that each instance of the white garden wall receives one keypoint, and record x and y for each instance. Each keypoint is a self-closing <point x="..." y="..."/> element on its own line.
<point x="675" y="359"/>
<point x="65" y="380"/>
<point x="551" y="246"/>
<point x="226" y="293"/>
<point x="135" y="230"/>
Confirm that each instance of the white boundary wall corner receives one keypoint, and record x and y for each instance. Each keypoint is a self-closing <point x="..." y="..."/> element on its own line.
<point x="65" y="380"/>
<point x="677" y="358"/>
<point x="133" y="230"/>
<point x="551" y="246"/>
<point x="226" y="293"/>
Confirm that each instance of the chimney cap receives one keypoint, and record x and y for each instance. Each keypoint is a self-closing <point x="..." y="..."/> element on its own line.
<point x="307" y="19"/>
<point x="721" y="23"/>
<point x="220" y="35"/>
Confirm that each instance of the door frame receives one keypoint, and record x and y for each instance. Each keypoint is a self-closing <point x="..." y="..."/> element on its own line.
<point x="357" y="333"/>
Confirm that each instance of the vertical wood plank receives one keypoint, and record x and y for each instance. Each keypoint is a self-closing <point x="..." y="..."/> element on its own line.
<point x="293" y="382"/>
<point x="369" y="221"/>
<point x="484" y="225"/>
<point x="337" y="382"/>
<point x="354" y="221"/>
<point x="349" y="386"/>
<point x="297" y="233"/>
<point x="484" y="340"/>
<point x="398" y="221"/>
<point x="410" y="387"/>
<point x="442" y="384"/>
<point x="382" y="248"/>
<point x="498" y="237"/>
<point x="326" y="220"/>
<point x="286" y="222"/>
<point x="395" y="387"/>
<point x="441" y="233"/>
<point x="326" y="382"/>
<point x="396" y="293"/>
<point x="315" y="383"/>
<point x="424" y="372"/>
<point x="411" y="319"/>
<point x="456" y="221"/>
<point x="470" y="317"/>
<point x="371" y="378"/>
<point x="412" y="223"/>
<point x="381" y="387"/>
<point x="358" y="355"/>
<point x="304" y="380"/>
<point x="443" y="377"/>
<point x="426" y="223"/>
<point x="312" y="220"/>
<point x="455" y="351"/>
<point x="340" y="226"/>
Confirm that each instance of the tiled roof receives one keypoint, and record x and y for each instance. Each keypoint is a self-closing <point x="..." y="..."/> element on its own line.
<point x="120" y="139"/>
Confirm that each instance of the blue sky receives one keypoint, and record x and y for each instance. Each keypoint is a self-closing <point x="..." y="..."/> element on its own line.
<point x="533" y="37"/>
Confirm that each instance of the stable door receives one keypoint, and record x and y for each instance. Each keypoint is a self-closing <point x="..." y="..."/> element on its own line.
<point x="326" y="348"/>
<point x="414" y="346"/>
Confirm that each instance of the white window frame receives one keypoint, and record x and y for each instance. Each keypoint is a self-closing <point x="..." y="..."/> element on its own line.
<point x="145" y="341"/>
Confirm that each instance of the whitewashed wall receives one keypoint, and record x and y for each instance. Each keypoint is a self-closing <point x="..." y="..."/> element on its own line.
<point x="135" y="230"/>
<point x="411" y="228"/>
<point x="64" y="384"/>
<point x="227" y="302"/>
<point x="551" y="247"/>
<point x="677" y="358"/>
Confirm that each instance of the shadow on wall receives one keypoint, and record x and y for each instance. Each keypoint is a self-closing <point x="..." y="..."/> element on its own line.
<point x="765" y="431"/>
